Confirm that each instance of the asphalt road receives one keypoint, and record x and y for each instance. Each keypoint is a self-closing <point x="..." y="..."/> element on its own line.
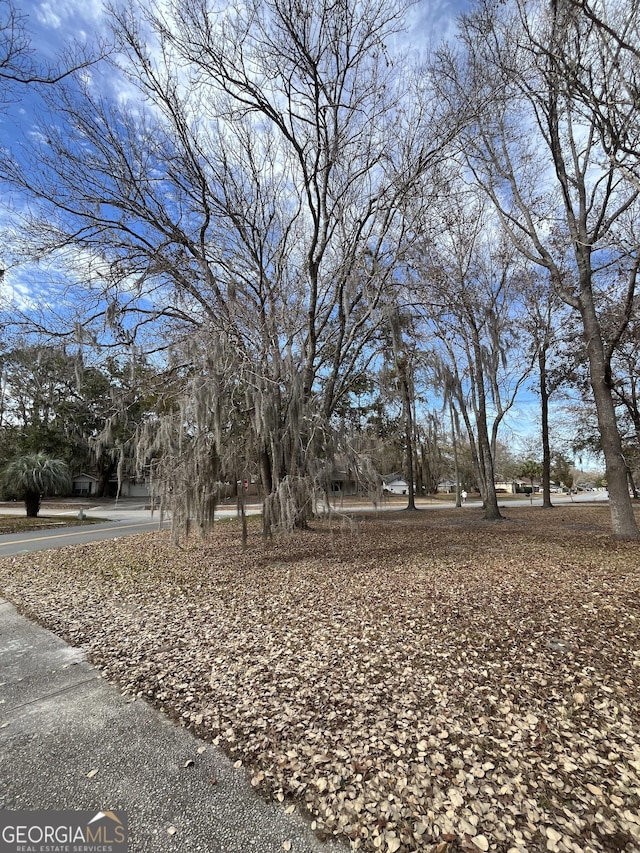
<point x="58" y="537"/>
<point x="124" y="520"/>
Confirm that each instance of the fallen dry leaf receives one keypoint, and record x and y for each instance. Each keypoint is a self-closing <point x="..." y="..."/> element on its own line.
<point x="428" y="680"/>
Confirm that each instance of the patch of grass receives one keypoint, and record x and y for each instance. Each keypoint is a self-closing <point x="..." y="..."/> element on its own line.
<point x="22" y="524"/>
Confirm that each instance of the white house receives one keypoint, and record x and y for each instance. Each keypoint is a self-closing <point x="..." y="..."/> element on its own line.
<point x="508" y="486"/>
<point x="395" y="485"/>
<point x="86" y="485"/>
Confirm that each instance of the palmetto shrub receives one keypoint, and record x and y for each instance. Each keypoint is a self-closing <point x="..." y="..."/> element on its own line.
<point x="34" y="476"/>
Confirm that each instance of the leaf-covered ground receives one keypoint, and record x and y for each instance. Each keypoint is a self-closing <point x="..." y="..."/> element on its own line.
<point x="427" y="682"/>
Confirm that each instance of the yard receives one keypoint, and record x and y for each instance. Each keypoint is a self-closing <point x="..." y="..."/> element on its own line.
<point x="14" y="520"/>
<point x="419" y="682"/>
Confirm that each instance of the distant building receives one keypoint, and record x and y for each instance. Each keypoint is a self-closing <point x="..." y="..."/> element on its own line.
<point x="86" y="485"/>
<point x="343" y="483"/>
<point x="509" y="487"/>
<point x="395" y="485"/>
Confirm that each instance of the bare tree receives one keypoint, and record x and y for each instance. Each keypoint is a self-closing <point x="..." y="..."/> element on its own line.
<point x="245" y="206"/>
<point x="540" y="321"/>
<point x="404" y="372"/>
<point x="560" y="190"/>
<point x="18" y="66"/>
<point x="625" y="371"/>
<point x="14" y="48"/>
<point x="607" y="76"/>
<point x="468" y="290"/>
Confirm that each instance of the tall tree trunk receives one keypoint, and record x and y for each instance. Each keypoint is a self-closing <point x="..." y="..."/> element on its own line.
<point x="544" y="411"/>
<point x="104" y="476"/>
<point x="243" y="516"/>
<point x="424" y="478"/>
<point x="485" y="457"/>
<point x="408" y="430"/>
<point x="266" y="472"/>
<point x="456" y="467"/>
<point x="623" y="520"/>
<point x="491" y="510"/>
<point x="32" y="504"/>
<point x="401" y="362"/>
<point x="418" y="455"/>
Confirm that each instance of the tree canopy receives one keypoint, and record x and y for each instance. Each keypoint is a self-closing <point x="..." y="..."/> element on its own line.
<point x="289" y="222"/>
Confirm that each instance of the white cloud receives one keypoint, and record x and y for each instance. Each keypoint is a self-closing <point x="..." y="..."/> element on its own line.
<point x="18" y="296"/>
<point x="48" y="18"/>
<point x="56" y="14"/>
<point x="431" y="21"/>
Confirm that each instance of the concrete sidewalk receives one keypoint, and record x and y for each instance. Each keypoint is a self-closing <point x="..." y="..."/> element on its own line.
<point x="70" y="740"/>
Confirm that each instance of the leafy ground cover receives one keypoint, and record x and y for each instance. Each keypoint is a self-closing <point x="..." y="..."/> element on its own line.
<point x="422" y="682"/>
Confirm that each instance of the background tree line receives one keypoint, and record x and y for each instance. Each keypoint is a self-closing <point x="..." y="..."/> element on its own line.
<point x="294" y="222"/>
<point x="90" y="417"/>
<point x="52" y="403"/>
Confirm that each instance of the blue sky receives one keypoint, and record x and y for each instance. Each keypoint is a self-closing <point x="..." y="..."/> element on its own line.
<point x="55" y="25"/>
<point x="54" y="28"/>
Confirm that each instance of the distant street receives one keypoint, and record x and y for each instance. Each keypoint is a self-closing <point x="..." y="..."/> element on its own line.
<point x="41" y="540"/>
<point x="127" y="521"/>
<point x="397" y="502"/>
